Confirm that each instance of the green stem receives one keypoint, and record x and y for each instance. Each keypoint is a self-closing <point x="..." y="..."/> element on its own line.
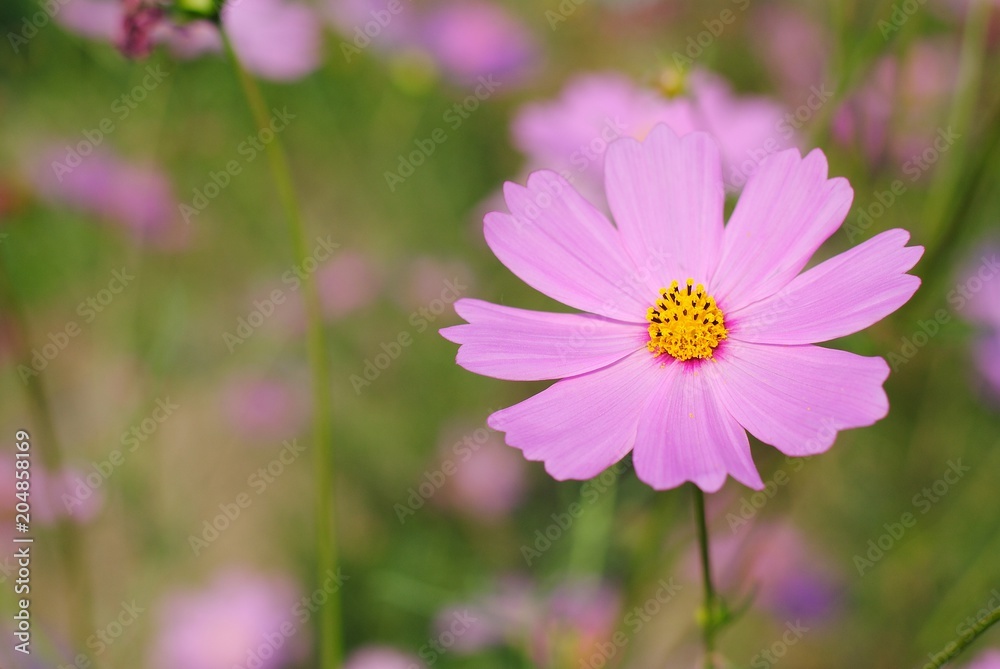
<point x="975" y="632"/>
<point x="591" y="533"/>
<point x="946" y="178"/>
<point x="330" y="644"/>
<point x="708" y="623"/>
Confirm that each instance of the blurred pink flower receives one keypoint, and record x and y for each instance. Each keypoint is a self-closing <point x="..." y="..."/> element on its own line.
<point x="240" y="619"/>
<point x="978" y="294"/>
<point x="895" y="114"/>
<point x="279" y="40"/>
<point x="102" y="20"/>
<point x="790" y="577"/>
<point x="794" y="46"/>
<point x="474" y="39"/>
<point x="381" y="657"/>
<point x="136" y="197"/>
<point x="638" y="371"/>
<point x="264" y="409"/>
<point x="367" y="24"/>
<point x="348" y="282"/>
<point x="489" y="479"/>
<point x="988" y="659"/>
<point x="427" y="278"/>
<point x="570" y="135"/>
<point x="51" y="495"/>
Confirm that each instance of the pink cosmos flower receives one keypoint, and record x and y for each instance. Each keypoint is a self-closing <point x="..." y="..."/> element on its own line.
<point x="571" y="134"/>
<point x="264" y="409"/>
<point x="695" y="333"/>
<point x="241" y="619"/>
<point x="980" y="291"/>
<point x="489" y="479"/>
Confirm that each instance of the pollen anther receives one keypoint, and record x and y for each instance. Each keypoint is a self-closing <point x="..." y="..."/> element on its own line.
<point x="685" y="322"/>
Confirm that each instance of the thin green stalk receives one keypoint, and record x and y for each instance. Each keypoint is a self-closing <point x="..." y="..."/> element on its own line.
<point x="709" y="617"/>
<point x="958" y="647"/>
<point x="330" y="643"/>
<point x="967" y="88"/>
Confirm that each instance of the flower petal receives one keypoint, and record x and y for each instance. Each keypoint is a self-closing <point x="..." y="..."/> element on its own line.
<point x="843" y="295"/>
<point x="786" y="211"/>
<point x="559" y="244"/>
<point x="686" y="434"/>
<point x="521" y="345"/>
<point x="796" y="398"/>
<point x="582" y="425"/>
<point x="666" y="196"/>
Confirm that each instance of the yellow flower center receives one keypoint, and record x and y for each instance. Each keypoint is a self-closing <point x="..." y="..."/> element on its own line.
<point x="685" y="322"/>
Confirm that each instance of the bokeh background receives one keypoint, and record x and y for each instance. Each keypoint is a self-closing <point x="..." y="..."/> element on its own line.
<point x="152" y="336"/>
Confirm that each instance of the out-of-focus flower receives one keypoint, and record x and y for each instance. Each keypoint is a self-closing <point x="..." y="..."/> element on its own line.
<point x="897" y="111"/>
<point x="428" y="280"/>
<point x="988" y="659"/>
<point x="102" y="20"/>
<point x="140" y="21"/>
<point x="264" y="409"/>
<point x="471" y="40"/>
<point x="977" y="299"/>
<point x="795" y="47"/>
<point x="466" y="41"/>
<point x="381" y="657"/>
<point x="693" y="333"/>
<point x="240" y="619"/>
<point x="136" y="197"/>
<point x="350" y="281"/>
<point x="788" y="577"/>
<point x="571" y="134"/>
<point x="489" y="478"/>
<point x="52" y="494"/>
<point x="566" y="621"/>
<point x="275" y="39"/>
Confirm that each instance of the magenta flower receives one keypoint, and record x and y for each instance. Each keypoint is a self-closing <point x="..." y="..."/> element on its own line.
<point x="695" y="333"/>
<point x="571" y="134"/>
<point x="979" y="303"/>
<point x="381" y="657"/>
<point x="988" y="659"/>
<point x="241" y="619"/>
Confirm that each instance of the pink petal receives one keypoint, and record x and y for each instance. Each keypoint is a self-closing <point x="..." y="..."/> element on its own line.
<point x="686" y="434"/>
<point x="559" y="244"/>
<point x="274" y="39"/>
<point x="796" y="398"/>
<point x="843" y="295"/>
<point x="582" y="425"/>
<point x="787" y="210"/>
<point x="521" y="345"/>
<point x="666" y="196"/>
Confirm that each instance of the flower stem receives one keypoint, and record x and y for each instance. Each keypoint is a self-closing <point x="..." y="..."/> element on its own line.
<point x="708" y="619"/>
<point x="975" y="632"/>
<point x="330" y="644"/>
